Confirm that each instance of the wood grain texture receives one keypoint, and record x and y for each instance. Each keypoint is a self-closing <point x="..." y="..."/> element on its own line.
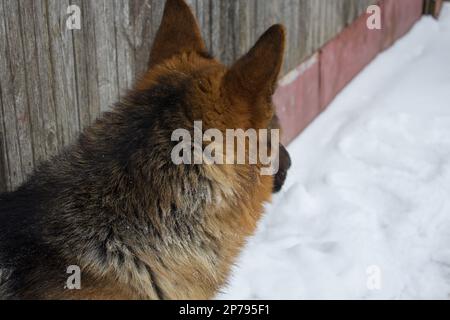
<point x="56" y="81"/>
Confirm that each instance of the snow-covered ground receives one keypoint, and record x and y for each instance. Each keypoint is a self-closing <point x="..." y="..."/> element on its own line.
<point x="365" y="213"/>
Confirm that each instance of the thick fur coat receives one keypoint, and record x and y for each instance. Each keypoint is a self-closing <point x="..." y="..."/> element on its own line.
<point x="114" y="203"/>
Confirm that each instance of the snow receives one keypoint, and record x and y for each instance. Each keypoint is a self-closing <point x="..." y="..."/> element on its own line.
<point x="365" y="213"/>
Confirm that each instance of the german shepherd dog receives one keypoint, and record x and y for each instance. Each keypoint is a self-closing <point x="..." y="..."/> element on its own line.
<point x="114" y="203"/>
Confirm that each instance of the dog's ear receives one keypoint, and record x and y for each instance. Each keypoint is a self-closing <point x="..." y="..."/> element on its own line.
<point x="178" y="33"/>
<point x="256" y="73"/>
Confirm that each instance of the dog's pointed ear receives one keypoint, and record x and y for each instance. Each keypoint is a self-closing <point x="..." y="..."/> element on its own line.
<point x="178" y="33"/>
<point x="256" y="73"/>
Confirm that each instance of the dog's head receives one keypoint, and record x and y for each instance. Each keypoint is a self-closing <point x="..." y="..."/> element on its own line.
<point x="236" y="97"/>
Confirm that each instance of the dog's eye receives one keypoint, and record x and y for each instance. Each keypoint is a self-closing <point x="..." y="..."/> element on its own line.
<point x="203" y="86"/>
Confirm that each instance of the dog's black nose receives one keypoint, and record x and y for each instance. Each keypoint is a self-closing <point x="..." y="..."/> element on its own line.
<point x="284" y="155"/>
<point x="280" y="178"/>
<point x="285" y="164"/>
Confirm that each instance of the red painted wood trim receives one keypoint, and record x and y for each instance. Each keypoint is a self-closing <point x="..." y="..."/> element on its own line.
<point x="298" y="98"/>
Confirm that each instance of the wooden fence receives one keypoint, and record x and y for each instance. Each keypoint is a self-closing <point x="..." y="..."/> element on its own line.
<point x="55" y="81"/>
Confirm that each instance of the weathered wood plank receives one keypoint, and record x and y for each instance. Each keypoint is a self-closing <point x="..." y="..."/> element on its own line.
<point x="215" y="12"/>
<point x="88" y="104"/>
<point x="26" y="13"/>
<point x="3" y="169"/>
<point x="10" y="96"/>
<point x="85" y="51"/>
<point x="18" y="71"/>
<point x="244" y="27"/>
<point x="4" y="165"/>
<point x="106" y="51"/>
<point x="46" y="125"/>
<point x="226" y="44"/>
<point x="203" y="8"/>
<point x="124" y="44"/>
<point x="145" y="15"/>
<point x="63" y="71"/>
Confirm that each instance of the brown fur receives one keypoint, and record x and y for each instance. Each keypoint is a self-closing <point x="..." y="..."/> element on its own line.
<point x="139" y="226"/>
